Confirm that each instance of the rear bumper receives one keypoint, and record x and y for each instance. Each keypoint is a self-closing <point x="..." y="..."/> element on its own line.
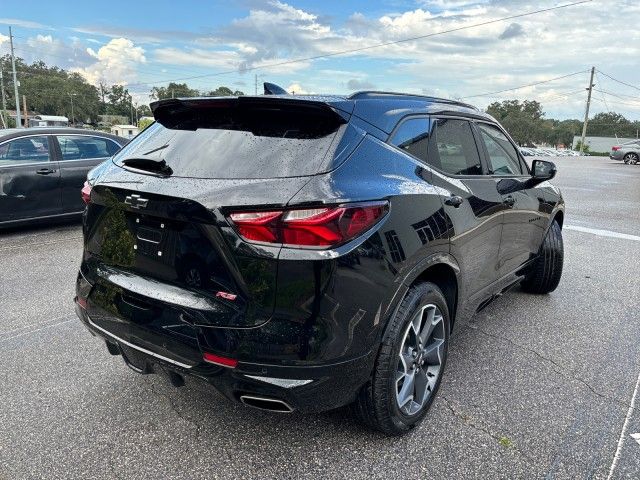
<point x="304" y="387"/>
<point x="616" y="156"/>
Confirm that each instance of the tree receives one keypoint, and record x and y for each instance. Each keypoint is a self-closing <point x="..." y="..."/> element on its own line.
<point x="223" y="91"/>
<point x="50" y="90"/>
<point x="143" y="111"/>
<point x="523" y="120"/>
<point x="119" y="101"/>
<point x="611" y="124"/>
<point x="144" y="123"/>
<point x="173" y="90"/>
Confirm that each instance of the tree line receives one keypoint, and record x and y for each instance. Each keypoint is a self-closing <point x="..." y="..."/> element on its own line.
<point x="525" y="122"/>
<point x="50" y="90"/>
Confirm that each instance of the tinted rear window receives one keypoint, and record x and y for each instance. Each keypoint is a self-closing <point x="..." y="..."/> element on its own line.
<point x="241" y="143"/>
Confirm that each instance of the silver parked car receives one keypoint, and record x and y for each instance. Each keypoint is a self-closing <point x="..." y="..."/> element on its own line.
<point x="629" y="152"/>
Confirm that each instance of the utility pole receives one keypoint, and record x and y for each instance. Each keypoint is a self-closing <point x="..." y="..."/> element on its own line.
<point x="15" y="82"/>
<point x="73" y="117"/>
<point x="256" y="84"/>
<point x="4" y="102"/>
<point x="24" y="105"/>
<point x="586" y="113"/>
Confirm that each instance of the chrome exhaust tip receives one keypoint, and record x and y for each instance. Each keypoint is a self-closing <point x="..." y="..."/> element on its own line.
<point x="268" y="404"/>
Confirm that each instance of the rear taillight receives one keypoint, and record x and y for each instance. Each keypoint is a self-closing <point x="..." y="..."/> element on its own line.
<point x="311" y="227"/>
<point x="86" y="192"/>
<point x="615" y="149"/>
<point x="219" y="360"/>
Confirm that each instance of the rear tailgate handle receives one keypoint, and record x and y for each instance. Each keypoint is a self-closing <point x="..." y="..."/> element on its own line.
<point x="45" y="171"/>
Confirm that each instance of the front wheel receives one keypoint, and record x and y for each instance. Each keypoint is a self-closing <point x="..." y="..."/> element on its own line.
<point x="410" y="363"/>
<point x="546" y="270"/>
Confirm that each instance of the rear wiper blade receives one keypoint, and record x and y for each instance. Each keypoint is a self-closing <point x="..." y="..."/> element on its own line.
<point x="156" y="149"/>
<point x="158" y="167"/>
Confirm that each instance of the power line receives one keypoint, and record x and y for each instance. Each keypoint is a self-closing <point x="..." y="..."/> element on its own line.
<point x="619" y="81"/>
<point x="370" y="47"/>
<point x="616" y="95"/>
<point x="602" y="93"/>
<point x="524" y="86"/>
<point x="634" y="105"/>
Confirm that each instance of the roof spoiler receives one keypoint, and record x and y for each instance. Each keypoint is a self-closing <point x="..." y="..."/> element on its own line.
<point x="273" y="89"/>
<point x="181" y="111"/>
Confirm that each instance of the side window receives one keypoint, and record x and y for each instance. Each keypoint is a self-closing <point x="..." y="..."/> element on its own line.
<point x="25" y="150"/>
<point x="80" y="147"/>
<point x="453" y="149"/>
<point x="412" y="136"/>
<point x="502" y="154"/>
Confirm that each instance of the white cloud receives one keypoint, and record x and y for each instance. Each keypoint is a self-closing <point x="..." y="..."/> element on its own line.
<point x="114" y="63"/>
<point x="16" y="22"/>
<point x="297" y="89"/>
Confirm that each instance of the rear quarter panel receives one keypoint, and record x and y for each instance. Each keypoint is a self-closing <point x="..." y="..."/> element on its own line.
<point x="340" y="305"/>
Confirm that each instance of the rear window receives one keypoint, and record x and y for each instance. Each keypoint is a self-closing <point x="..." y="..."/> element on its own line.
<point x="241" y="142"/>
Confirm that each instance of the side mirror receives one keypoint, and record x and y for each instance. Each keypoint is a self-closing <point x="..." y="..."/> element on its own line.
<point x="543" y="170"/>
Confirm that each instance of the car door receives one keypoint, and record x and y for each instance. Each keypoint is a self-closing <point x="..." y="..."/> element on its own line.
<point x="523" y="222"/>
<point x="78" y="154"/>
<point x="29" y="178"/>
<point x="470" y="200"/>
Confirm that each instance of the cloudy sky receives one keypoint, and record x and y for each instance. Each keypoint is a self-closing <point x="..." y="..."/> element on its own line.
<point x="207" y="44"/>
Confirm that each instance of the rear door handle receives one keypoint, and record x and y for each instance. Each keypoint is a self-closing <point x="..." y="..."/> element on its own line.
<point x="454" y="201"/>
<point x="45" y="171"/>
<point x="510" y="201"/>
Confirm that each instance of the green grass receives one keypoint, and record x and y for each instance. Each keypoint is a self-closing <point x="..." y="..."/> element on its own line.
<point x="505" y="442"/>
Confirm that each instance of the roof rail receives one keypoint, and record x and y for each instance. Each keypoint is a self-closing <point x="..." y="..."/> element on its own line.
<point x="377" y="94"/>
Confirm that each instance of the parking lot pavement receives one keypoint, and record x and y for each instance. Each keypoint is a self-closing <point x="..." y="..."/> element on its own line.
<point x="536" y="386"/>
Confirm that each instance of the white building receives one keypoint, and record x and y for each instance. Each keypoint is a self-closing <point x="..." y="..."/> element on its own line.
<point x="600" y="144"/>
<point x="125" y="131"/>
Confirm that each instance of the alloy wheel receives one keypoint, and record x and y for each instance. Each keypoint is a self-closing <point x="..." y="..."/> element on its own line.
<point x="420" y="359"/>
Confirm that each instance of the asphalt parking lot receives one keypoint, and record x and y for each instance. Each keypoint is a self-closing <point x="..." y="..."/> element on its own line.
<point x="535" y="387"/>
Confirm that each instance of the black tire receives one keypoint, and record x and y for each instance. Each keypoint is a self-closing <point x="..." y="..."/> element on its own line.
<point x="546" y="271"/>
<point x="376" y="404"/>
<point x="631" y="158"/>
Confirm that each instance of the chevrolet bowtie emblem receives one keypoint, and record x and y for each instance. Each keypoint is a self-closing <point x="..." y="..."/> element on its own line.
<point x="135" y="201"/>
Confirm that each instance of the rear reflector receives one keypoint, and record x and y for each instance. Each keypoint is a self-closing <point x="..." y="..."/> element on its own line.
<point x="312" y="227"/>
<point x="82" y="302"/>
<point x="218" y="360"/>
<point x="86" y="193"/>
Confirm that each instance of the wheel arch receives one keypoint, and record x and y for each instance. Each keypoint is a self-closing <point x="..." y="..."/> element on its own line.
<point x="445" y="277"/>
<point x="558" y="217"/>
<point x="440" y="269"/>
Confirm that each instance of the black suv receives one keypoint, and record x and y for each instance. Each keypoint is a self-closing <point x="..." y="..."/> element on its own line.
<point x="309" y="252"/>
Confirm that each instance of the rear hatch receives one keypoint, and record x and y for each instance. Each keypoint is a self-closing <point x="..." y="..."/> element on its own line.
<point x="159" y="250"/>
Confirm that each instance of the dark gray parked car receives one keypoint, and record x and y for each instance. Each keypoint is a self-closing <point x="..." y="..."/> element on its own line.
<point x="629" y="152"/>
<point x="43" y="169"/>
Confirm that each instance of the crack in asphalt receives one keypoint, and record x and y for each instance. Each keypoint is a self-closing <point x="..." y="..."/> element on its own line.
<point x="561" y="370"/>
<point x="175" y="409"/>
<point x="471" y="422"/>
